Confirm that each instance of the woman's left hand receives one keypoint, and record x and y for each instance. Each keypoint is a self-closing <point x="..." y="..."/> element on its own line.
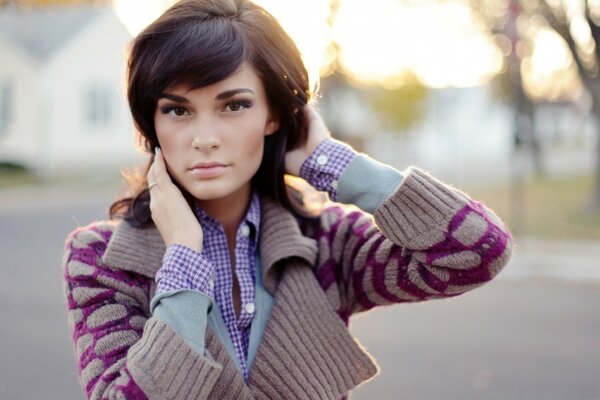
<point x="317" y="132"/>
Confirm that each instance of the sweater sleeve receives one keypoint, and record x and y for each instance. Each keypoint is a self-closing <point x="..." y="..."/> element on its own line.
<point x="121" y="350"/>
<point x="426" y="240"/>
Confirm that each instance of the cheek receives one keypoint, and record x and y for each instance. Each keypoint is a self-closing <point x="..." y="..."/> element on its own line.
<point x="251" y="142"/>
<point x="170" y="138"/>
<point x="254" y="153"/>
<point x="162" y="128"/>
<point x="168" y="132"/>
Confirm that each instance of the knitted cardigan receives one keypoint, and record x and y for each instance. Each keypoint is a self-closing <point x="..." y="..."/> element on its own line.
<point x="426" y="241"/>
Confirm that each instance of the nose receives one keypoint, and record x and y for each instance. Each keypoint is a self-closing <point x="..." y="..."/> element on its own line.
<point x="205" y="137"/>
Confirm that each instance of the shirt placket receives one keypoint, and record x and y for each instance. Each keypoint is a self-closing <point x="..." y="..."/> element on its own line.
<point x="224" y="298"/>
<point x="245" y="275"/>
<point x="216" y="248"/>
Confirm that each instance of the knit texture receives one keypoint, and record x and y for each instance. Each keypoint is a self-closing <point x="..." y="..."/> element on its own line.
<point x="430" y="241"/>
<point x="426" y="241"/>
<point x="107" y="313"/>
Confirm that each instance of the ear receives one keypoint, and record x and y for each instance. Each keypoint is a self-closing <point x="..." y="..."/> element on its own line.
<point x="272" y="124"/>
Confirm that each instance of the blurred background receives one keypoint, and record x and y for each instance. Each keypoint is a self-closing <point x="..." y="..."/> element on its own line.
<point x="500" y="98"/>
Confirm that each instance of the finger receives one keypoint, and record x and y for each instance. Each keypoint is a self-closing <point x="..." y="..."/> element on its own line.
<point x="160" y="175"/>
<point x="150" y="173"/>
<point x="314" y="122"/>
<point x="310" y="113"/>
<point x="160" y="169"/>
<point x="317" y="130"/>
<point x="151" y="176"/>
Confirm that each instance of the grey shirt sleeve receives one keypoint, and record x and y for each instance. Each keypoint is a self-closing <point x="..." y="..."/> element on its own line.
<point x="185" y="311"/>
<point x="366" y="183"/>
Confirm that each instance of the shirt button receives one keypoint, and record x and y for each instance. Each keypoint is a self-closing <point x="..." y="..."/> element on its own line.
<point x="211" y="283"/>
<point x="249" y="308"/>
<point x="245" y="231"/>
<point x="334" y="184"/>
<point x="322" y="159"/>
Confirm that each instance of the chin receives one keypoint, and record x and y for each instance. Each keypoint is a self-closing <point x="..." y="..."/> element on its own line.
<point x="212" y="190"/>
<point x="208" y="193"/>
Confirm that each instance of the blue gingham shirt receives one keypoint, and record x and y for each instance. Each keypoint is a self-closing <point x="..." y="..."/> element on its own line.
<point x="209" y="271"/>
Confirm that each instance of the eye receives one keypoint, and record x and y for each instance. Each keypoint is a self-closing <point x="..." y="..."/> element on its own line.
<point x="237" y="105"/>
<point x="174" y="110"/>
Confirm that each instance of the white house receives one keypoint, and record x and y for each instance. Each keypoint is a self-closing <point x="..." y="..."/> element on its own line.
<point x="62" y="101"/>
<point x="466" y="135"/>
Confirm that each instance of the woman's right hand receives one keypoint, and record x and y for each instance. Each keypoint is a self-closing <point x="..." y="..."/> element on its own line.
<point x="171" y="213"/>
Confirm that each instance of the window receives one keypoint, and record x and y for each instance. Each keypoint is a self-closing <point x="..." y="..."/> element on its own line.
<point x="6" y="106"/>
<point x="98" y="106"/>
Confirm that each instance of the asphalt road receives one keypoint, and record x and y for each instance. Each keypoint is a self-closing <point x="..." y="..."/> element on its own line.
<point x="521" y="339"/>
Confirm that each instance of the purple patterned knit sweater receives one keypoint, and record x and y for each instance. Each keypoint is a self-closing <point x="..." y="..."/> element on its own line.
<point x="99" y="312"/>
<point x="358" y="268"/>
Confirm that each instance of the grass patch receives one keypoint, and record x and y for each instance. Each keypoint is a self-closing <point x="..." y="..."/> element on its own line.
<point x="14" y="175"/>
<point x="552" y="208"/>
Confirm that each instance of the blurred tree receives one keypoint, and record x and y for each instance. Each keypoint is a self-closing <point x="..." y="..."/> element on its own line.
<point x="505" y="19"/>
<point x="401" y="107"/>
<point x="578" y="24"/>
<point x="580" y="29"/>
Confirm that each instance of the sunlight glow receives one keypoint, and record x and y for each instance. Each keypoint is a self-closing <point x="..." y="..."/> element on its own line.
<point x="550" y="54"/>
<point x="305" y="22"/>
<point x="441" y="42"/>
<point x="137" y="14"/>
<point x="436" y="40"/>
<point x="550" y="73"/>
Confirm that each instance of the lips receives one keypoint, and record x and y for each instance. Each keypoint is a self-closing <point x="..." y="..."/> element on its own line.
<point x="208" y="170"/>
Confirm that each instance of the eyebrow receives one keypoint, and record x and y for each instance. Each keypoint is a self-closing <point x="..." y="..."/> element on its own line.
<point x="230" y="93"/>
<point x="174" y="97"/>
<point x="221" y="96"/>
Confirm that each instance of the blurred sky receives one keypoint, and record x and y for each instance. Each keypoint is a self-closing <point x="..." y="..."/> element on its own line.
<point x="442" y="42"/>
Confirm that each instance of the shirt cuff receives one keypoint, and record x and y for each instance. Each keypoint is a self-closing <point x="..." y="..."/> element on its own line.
<point x="367" y="183"/>
<point x="185" y="311"/>
<point x="184" y="268"/>
<point x="323" y="168"/>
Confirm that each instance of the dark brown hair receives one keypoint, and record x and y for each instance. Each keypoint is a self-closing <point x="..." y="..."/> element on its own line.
<point x="201" y="42"/>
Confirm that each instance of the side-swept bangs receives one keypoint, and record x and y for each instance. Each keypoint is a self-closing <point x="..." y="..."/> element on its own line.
<point x="192" y="52"/>
<point x="201" y="42"/>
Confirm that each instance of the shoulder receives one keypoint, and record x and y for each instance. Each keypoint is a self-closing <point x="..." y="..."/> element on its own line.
<point x="94" y="237"/>
<point x="84" y="264"/>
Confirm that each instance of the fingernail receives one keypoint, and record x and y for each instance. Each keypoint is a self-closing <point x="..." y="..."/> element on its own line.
<point x="157" y="150"/>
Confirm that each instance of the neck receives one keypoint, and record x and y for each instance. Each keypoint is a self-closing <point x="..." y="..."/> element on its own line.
<point x="229" y="210"/>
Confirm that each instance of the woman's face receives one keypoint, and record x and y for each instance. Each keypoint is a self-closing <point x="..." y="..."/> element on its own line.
<point x="212" y="138"/>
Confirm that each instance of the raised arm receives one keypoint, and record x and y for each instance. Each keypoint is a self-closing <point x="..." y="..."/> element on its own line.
<point x="412" y="237"/>
<point x="426" y="240"/>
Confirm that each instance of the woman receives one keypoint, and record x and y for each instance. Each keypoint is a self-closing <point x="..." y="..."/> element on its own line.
<point x="211" y="280"/>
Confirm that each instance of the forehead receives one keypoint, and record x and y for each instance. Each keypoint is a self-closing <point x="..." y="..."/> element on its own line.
<point x="245" y="77"/>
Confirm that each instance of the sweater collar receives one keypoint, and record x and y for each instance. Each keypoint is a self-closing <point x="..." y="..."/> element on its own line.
<point x="141" y="250"/>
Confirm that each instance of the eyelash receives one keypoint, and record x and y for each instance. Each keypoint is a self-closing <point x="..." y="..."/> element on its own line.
<point x="168" y="109"/>
<point x="244" y="104"/>
<point x="241" y="103"/>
